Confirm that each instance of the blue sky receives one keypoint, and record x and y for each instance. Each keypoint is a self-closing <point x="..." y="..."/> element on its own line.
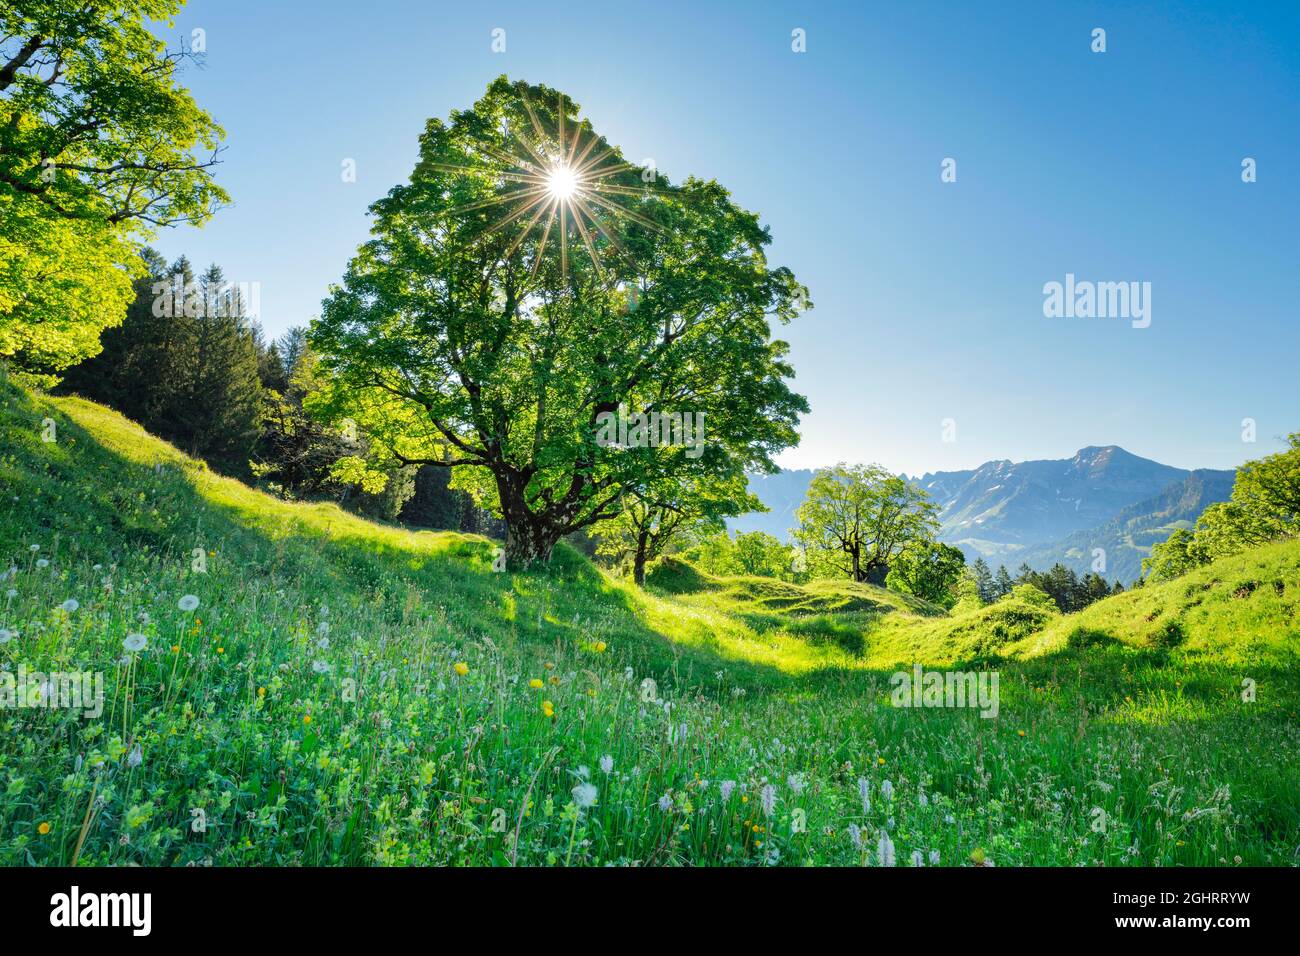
<point x="1115" y="166"/>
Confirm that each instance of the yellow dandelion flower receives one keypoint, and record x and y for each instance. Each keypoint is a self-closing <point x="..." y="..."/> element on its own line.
<point x="548" y="708"/>
<point x="461" y="668"/>
<point x="881" y="761"/>
<point x="536" y="683"/>
<point x="176" y="648"/>
<point x="43" y="829"/>
<point x="261" y="692"/>
<point x="306" y="718"/>
<point x="1022" y="733"/>
<point x="600" y="647"/>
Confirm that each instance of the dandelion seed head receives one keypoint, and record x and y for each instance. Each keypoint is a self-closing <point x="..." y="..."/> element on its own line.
<point x="188" y="603"/>
<point x="135" y="642"/>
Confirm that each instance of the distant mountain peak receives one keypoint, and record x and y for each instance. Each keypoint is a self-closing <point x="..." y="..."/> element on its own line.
<point x="1003" y="506"/>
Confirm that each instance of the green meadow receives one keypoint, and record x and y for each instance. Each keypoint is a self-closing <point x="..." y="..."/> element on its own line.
<point x="346" y="692"/>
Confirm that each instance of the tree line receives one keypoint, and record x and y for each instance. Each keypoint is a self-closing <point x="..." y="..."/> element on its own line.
<point x="190" y="365"/>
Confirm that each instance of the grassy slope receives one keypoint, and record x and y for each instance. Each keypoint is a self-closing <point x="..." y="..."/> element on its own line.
<point x="1131" y="707"/>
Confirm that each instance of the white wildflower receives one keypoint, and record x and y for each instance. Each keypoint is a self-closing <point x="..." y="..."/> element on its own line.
<point x="934" y="857"/>
<point x="666" y="802"/>
<point x="188" y="603"/>
<point x="607" y="764"/>
<point x="864" y="791"/>
<point x="887" y="790"/>
<point x="855" y="834"/>
<point x="135" y="642"/>
<point x="584" y="795"/>
<point x="136" y="757"/>
<point x="42" y="563"/>
<point x="885" y="849"/>
<point x="767" y="797"/>
<point x="795" y="782"/>
<point x="320" y="667"/>
<point x="917" y="858"/>
<point x="7" y="635"/>
<point x="70" y="605"/>
<point x="725" y="788"/>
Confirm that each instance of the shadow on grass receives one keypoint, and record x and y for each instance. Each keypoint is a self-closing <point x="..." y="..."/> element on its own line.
<point x="161" y="505"/>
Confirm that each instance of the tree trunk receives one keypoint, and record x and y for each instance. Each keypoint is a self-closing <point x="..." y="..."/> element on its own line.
<point x="528" y="542"/>
<point x="639" y="560"/>
<point x="530" y="538"/>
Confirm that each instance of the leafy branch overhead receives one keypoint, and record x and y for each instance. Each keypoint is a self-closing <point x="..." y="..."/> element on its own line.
<point x="99" y="145"/>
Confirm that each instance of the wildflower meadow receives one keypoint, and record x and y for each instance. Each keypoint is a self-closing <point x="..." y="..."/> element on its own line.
<point x="288" y="684"/>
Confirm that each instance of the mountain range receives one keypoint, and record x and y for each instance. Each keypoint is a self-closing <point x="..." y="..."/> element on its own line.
<point x="1040" y="512"/>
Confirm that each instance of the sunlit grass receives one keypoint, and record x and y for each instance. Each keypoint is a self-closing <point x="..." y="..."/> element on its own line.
<point x="310" y="710"/>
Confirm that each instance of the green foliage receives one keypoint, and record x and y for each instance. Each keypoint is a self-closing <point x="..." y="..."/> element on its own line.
<point x="1065" y="589"/>
<point x="97" y="147"/>
<point x="762" y="555"/>
<point x="754" y="553"/>
<point x="930" y="570"/>
<point x="296" y="453"/>
<point x="184" y="364"/>
<point x="1033" y="596"/>
<point x="1173" y="557"/>
<point x="468" y="333"/>
<point x="672" y="511"/>
<point x="857" y="518"/>
<point x="985" y="586"/>
<point x="1265" y="506"/>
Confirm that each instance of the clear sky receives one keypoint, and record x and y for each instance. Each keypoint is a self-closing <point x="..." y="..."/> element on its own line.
<point x="1115" y="166"/>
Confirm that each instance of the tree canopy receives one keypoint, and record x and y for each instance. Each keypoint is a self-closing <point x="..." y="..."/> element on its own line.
<point x="857" y="518"/>
<point x="97" y="147"/>
<point x="526" y="284"/>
